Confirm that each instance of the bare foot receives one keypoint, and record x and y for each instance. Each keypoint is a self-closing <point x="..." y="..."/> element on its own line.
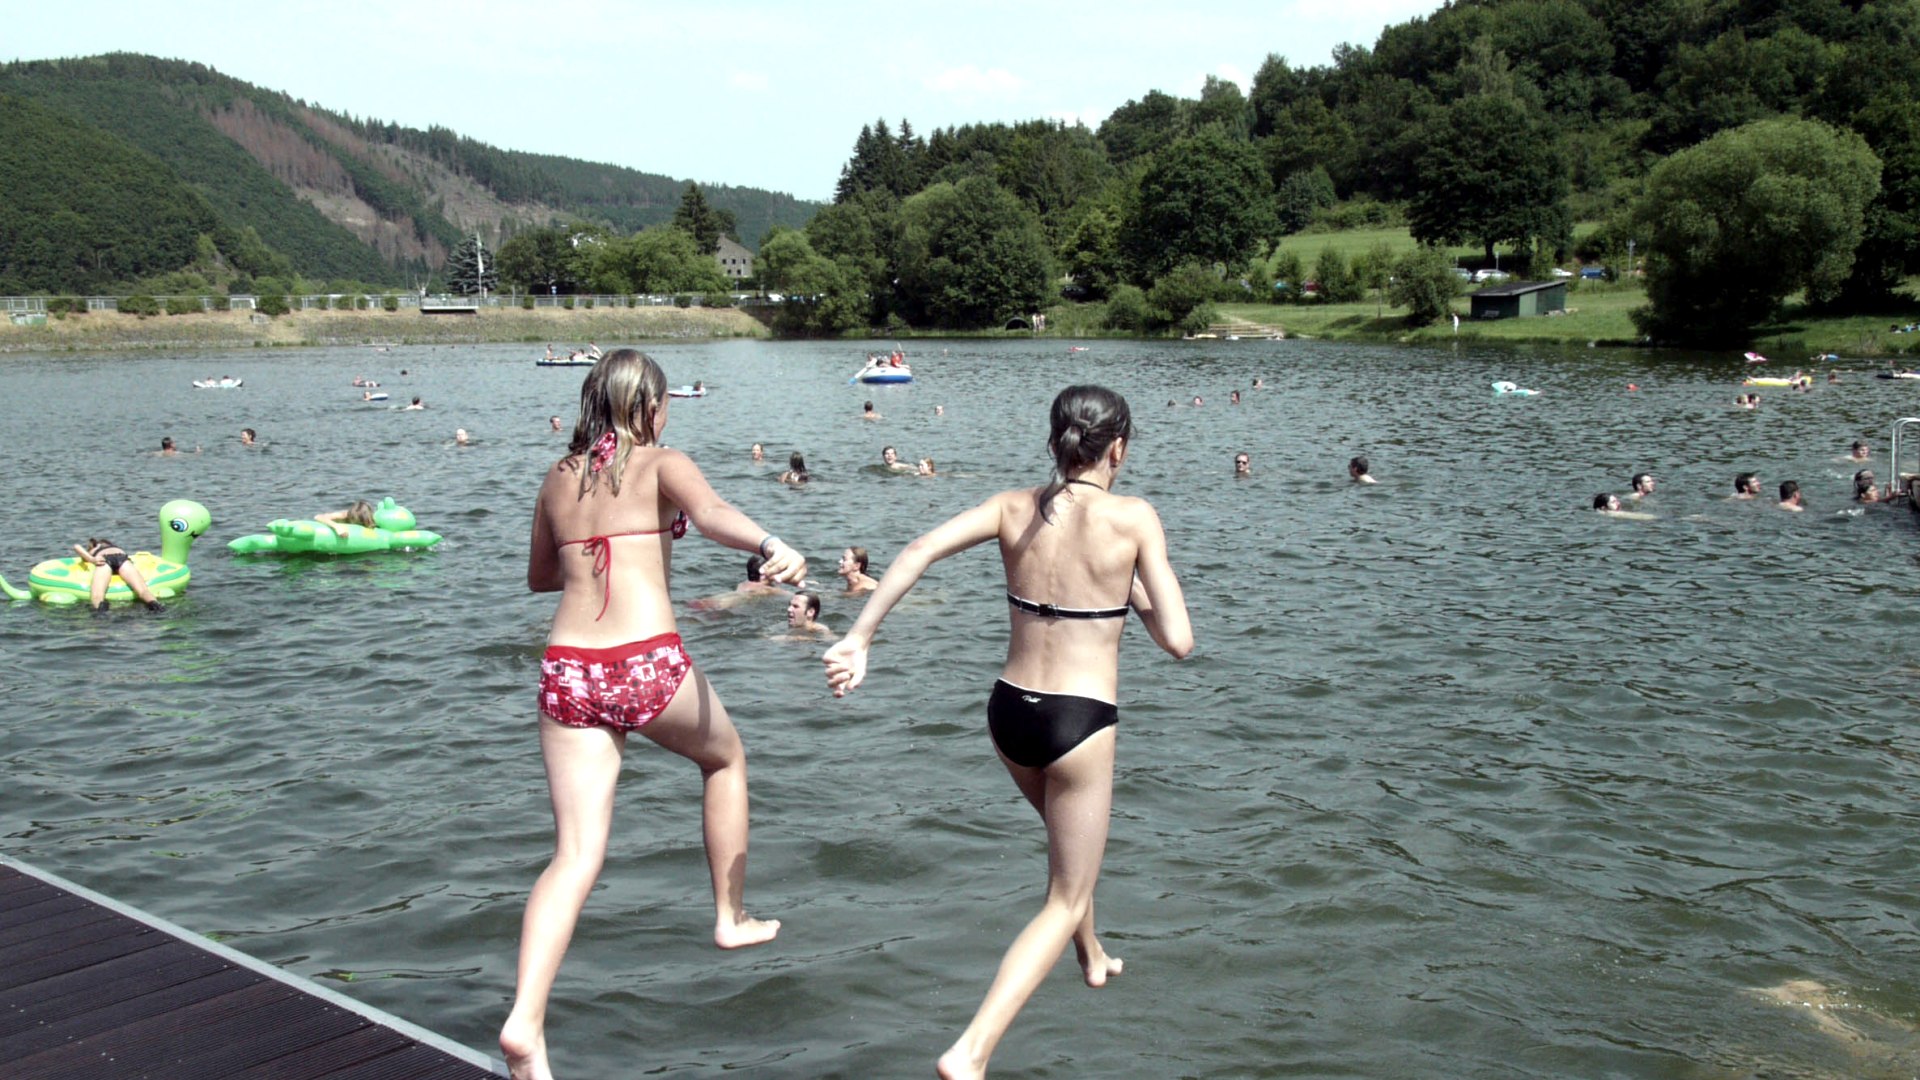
<point x="1097" y="965"/>
<point x="742" y="932"/>
<point x="957" y="1064"/>
<point x="526" y="1055"/>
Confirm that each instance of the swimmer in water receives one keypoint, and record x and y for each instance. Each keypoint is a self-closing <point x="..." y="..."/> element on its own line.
<point x="553" y="422"/>
<point x="758" y="452"/>
<point x="1360" y="472"/>
<point x="1609" y="504"/>
<point x="927" y="467"/>
<point x="1746" y="486"/>
<point x="1790" y="496"/>
<point x="1242" y="465"/>
<point x="1642" y="485"/>
<point x="891" y="459"/>
<point x="853" y="567"/>
<point x="1859" y="451"/>
<point x="796" y="473"/>
<point x="802" y="611"/>
<point x="867" y="413"/>
<point x="247" y="436"/>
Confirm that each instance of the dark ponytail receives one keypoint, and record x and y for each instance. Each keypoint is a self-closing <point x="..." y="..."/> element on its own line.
<point x="1085" y="422"/>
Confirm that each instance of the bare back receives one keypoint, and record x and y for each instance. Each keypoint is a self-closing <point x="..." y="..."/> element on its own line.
<point x="1084" y="558"/>
<point x="634" y="570"/>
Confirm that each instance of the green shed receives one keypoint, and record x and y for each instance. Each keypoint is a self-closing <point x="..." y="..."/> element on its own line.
<point x="1520" y="298"/>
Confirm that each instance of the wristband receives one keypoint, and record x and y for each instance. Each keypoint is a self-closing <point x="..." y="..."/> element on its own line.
<point x="769" y="539"/>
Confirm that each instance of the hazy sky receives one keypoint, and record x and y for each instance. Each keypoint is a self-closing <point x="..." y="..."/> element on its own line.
<point x="748" y="93"/>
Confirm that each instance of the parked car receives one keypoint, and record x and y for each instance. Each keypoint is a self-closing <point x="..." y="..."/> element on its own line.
<point x="1593" y="273"/>
<point x="1562" y="272"/>
<point x="1491" y="275"/>
<point x="1463" y="273"/>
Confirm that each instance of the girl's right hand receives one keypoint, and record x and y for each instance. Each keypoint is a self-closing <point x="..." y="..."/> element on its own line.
<point x="846" y="665"/>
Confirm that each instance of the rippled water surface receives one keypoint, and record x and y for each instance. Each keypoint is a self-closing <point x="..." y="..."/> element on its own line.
<point x="1463" y="780"/>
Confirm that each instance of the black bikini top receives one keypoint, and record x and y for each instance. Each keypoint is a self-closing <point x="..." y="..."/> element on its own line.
<point x="1049" y="611"/>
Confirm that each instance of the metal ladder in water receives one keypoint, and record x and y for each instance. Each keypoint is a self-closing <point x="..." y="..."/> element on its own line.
<point x="1902" y="479"/>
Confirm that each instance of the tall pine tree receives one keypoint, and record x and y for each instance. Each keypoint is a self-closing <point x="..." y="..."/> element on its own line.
<point x="470" y="268"/>
<point x="698" y="220"/>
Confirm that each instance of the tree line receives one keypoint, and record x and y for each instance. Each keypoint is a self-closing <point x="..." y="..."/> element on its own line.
<point x="1775" y="139"/>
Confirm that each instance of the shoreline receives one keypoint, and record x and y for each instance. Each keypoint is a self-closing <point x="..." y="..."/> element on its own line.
<point x="1603" y="324"/>
<point x="114" y="331"/>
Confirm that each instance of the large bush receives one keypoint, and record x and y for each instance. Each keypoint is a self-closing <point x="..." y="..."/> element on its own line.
<point x="1736" y="224"/>
<point x="1127" y="309"/>
<point x="1424" y="283"/>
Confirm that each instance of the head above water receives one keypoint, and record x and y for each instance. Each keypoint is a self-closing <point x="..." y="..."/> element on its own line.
<point x="1086" y="424"/>
<point x="1606" y="501"/>
<point x="1746" y="484"/>
<point x="625" y="393"/>
<point x="1358" y="467"/>
<point x="360" y="513"/>
<point x="1789" y="490"/>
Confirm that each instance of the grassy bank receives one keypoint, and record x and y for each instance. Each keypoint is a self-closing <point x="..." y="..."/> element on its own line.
<point x="1597" y="314"/>
<point x="111" y="331"/>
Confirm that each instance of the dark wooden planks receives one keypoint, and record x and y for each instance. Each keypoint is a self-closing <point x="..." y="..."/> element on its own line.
<point x="90" y="988"/>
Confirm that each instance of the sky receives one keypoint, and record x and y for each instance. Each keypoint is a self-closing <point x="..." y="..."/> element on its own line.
<point x="747" y="93"/>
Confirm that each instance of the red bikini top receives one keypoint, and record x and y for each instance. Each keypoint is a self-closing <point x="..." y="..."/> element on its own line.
<point x="601" y="548"/>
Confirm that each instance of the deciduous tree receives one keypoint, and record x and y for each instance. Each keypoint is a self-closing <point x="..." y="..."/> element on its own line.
<point x="1736" y="224"/>
<point x="1492" y="172"/>
<point x="1205" y="198"/>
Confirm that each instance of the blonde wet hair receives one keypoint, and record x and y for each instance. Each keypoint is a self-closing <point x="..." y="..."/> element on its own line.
<point x="361" y="513"/>
<point x="623" y="394"/>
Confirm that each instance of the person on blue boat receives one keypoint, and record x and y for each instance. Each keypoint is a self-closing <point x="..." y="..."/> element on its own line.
<point x="1077" y="558"/>
<point x="603" y="531"/>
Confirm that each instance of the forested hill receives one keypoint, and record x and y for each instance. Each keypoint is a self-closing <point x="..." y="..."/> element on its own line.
<point x="1753" y="148"/>
<point x="249" y="180"/>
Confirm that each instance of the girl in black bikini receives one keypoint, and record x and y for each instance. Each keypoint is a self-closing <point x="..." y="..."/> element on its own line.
<point x="1077" y="558"/>
<point x="109" y="561"/>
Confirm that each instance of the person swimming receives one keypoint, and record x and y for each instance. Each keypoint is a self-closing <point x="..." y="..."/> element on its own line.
<point x="796" y="473"/>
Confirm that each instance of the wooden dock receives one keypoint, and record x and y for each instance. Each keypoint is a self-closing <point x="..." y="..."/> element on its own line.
<point x="91" y="989"/>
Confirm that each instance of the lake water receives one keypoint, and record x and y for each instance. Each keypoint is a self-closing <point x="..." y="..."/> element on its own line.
<point x="1462" y="780"/>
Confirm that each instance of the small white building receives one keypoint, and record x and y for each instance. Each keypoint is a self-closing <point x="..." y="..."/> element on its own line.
<point x="735" y="260"/>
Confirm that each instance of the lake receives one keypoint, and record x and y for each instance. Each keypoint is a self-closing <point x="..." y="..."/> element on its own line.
<point x="1461" y="780"/>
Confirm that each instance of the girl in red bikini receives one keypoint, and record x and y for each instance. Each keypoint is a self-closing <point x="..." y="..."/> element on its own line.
<point x="603" y="532"/>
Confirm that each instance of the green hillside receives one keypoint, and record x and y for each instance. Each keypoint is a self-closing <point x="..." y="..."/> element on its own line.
<point x="155" y="106"/>
<point x="287" y="188"/>
<point x="84" y="208"/>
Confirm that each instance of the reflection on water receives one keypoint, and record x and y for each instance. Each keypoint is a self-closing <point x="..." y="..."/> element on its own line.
<point x="1464" y="779"/>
